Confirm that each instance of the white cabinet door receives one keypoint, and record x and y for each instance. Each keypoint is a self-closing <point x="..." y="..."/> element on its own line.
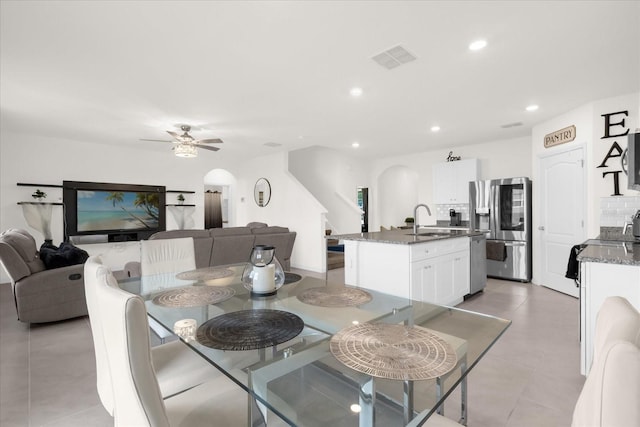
<point x="442" y="279"/>
<point x="451" y="181"/>
<point x="443" y="183"/>
<point x="461" y="274"/>
<point x="423" y="280"/>
<point x="466" y="170"/>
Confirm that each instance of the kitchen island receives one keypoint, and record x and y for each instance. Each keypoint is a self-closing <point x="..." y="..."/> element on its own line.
<point x="432" y="265"/>
<point x="607" y="268"/>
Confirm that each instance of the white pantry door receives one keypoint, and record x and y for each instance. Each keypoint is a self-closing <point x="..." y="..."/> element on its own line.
<point x="562" y="222"/>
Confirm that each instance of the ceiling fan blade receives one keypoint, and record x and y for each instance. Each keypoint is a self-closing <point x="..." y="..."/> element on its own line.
<point x="157" y="140"/>
<point x="208" y="141"/>
<point x="206" y="147"/>
<point x="175" y="135"/>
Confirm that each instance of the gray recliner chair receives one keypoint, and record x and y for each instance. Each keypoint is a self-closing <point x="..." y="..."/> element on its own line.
<point x="40" y="295"/>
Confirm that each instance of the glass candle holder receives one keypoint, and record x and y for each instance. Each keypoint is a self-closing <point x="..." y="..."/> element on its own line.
<point x="186" y="329"/>
<point x="263" y="275"/>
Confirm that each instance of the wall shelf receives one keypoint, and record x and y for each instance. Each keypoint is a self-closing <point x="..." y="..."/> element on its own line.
<point x="175" y="204"/>
<point x="42" y="203"/>
<point x="178" y="191"/>
<point x="26" y="184"/>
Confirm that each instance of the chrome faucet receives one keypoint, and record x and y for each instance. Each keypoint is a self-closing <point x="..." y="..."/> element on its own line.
<point x="415" y="216"/>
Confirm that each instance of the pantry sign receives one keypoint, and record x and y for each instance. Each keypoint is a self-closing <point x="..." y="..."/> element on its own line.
<point x="561" y="136"/>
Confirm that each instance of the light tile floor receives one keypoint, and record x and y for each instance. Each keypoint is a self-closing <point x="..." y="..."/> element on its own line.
<point x="529" y="378"/>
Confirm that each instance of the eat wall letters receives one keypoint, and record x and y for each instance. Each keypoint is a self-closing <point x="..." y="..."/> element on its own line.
<point x="610" y="129"/>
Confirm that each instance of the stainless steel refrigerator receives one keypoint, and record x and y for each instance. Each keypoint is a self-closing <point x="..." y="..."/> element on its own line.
<point x="502" y="209"/>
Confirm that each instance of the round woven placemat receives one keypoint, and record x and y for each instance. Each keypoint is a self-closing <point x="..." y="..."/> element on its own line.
<point x="394" y="352"/>
<point x="193" y="296"/>
<point x="249" y="329"/>
<point x="335" y="297"/>
<point x="205" y="274"/>
<point x="291" y="277"/>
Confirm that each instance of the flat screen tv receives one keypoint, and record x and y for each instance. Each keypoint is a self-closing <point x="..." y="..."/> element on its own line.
<point x="120" y="212"/>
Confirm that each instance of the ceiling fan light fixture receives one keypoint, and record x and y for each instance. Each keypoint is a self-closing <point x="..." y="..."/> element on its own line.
<point x="186" y="150"/>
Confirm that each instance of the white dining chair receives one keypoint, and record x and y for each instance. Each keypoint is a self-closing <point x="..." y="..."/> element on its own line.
<point x="176" y="366"/>
<point x="138" y="400"/>
<point x="616" y="320"/>
<point x="611" y="393"/>
<point x="165" y="256"/>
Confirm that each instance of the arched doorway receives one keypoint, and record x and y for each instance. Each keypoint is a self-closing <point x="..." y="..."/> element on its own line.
<point x="397" y="195"/>
<point x="219" y="207"/>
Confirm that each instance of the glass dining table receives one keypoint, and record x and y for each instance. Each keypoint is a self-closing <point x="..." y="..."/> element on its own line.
<point x="318" y="353"/>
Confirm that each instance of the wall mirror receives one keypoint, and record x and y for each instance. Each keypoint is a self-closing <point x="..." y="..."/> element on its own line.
<point x="262" y="192"/>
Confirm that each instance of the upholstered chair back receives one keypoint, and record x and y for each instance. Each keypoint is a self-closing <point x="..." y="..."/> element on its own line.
<point x="611" y="394"/>
<point x="19" y="254"/>
<point x="93" y="268"/>
<point x="617" y="319"/>
<point x="137" y="397"/>
<point x="166" y="256"/>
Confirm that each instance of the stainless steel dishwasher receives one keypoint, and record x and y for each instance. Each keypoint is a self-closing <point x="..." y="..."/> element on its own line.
<point x="478" y="263"/>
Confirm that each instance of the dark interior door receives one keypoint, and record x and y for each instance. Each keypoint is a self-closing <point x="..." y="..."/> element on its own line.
<point x="212" y="209"/>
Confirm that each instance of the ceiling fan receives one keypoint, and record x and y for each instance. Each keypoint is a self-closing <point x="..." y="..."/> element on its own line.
<point x="185" y="145"/>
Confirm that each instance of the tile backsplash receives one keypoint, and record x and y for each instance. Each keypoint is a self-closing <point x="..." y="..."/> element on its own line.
<point x="442" y="211"/>
<point x="615" y="211"/>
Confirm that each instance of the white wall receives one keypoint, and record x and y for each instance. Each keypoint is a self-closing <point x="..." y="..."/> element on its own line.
<point x="497" y="159"/>
<point x="589" y="131"/>
<point x="397" y="192"/>
<point x="42" y="160"/>
<point x="35" y="159"/>
<point x="333" y="178"/>
<point x="291" y="205"/>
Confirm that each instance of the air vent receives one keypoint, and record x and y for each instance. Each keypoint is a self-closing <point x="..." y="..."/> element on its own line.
<point x="272" y="144"/>
<point x="511" y="125"/>
<point x="394" y="57"/>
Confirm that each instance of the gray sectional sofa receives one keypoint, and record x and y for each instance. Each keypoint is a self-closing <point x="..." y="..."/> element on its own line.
<point x="220" y="246"/>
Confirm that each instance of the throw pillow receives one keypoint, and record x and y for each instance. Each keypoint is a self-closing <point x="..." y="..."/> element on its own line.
<point x="63" y="256"/>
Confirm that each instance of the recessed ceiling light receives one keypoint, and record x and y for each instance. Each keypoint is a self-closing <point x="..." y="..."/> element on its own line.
<point x="435" y="128"/>
<point x="355" y="408"/>
<point x="355" y="145"/>
<point x="532" y="108"/>
<point x="478" y="44"/>
<point x="356" y="91"/>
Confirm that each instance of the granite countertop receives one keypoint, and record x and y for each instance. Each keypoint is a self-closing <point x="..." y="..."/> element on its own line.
<point x="405" y="237"/>
<point x="611" y="247"/>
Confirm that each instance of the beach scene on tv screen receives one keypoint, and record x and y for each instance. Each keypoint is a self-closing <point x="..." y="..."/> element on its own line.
<point x="117" y="210"/>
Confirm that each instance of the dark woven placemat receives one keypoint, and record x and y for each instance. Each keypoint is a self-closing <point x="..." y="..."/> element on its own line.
<point x="291" y="277"/>
<point x="249" y="329"/>
<point x="205" y="274"/>
<point x="193" y="296"/>
<point x="335" y="297"/>
<point x="396" y="352"/>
